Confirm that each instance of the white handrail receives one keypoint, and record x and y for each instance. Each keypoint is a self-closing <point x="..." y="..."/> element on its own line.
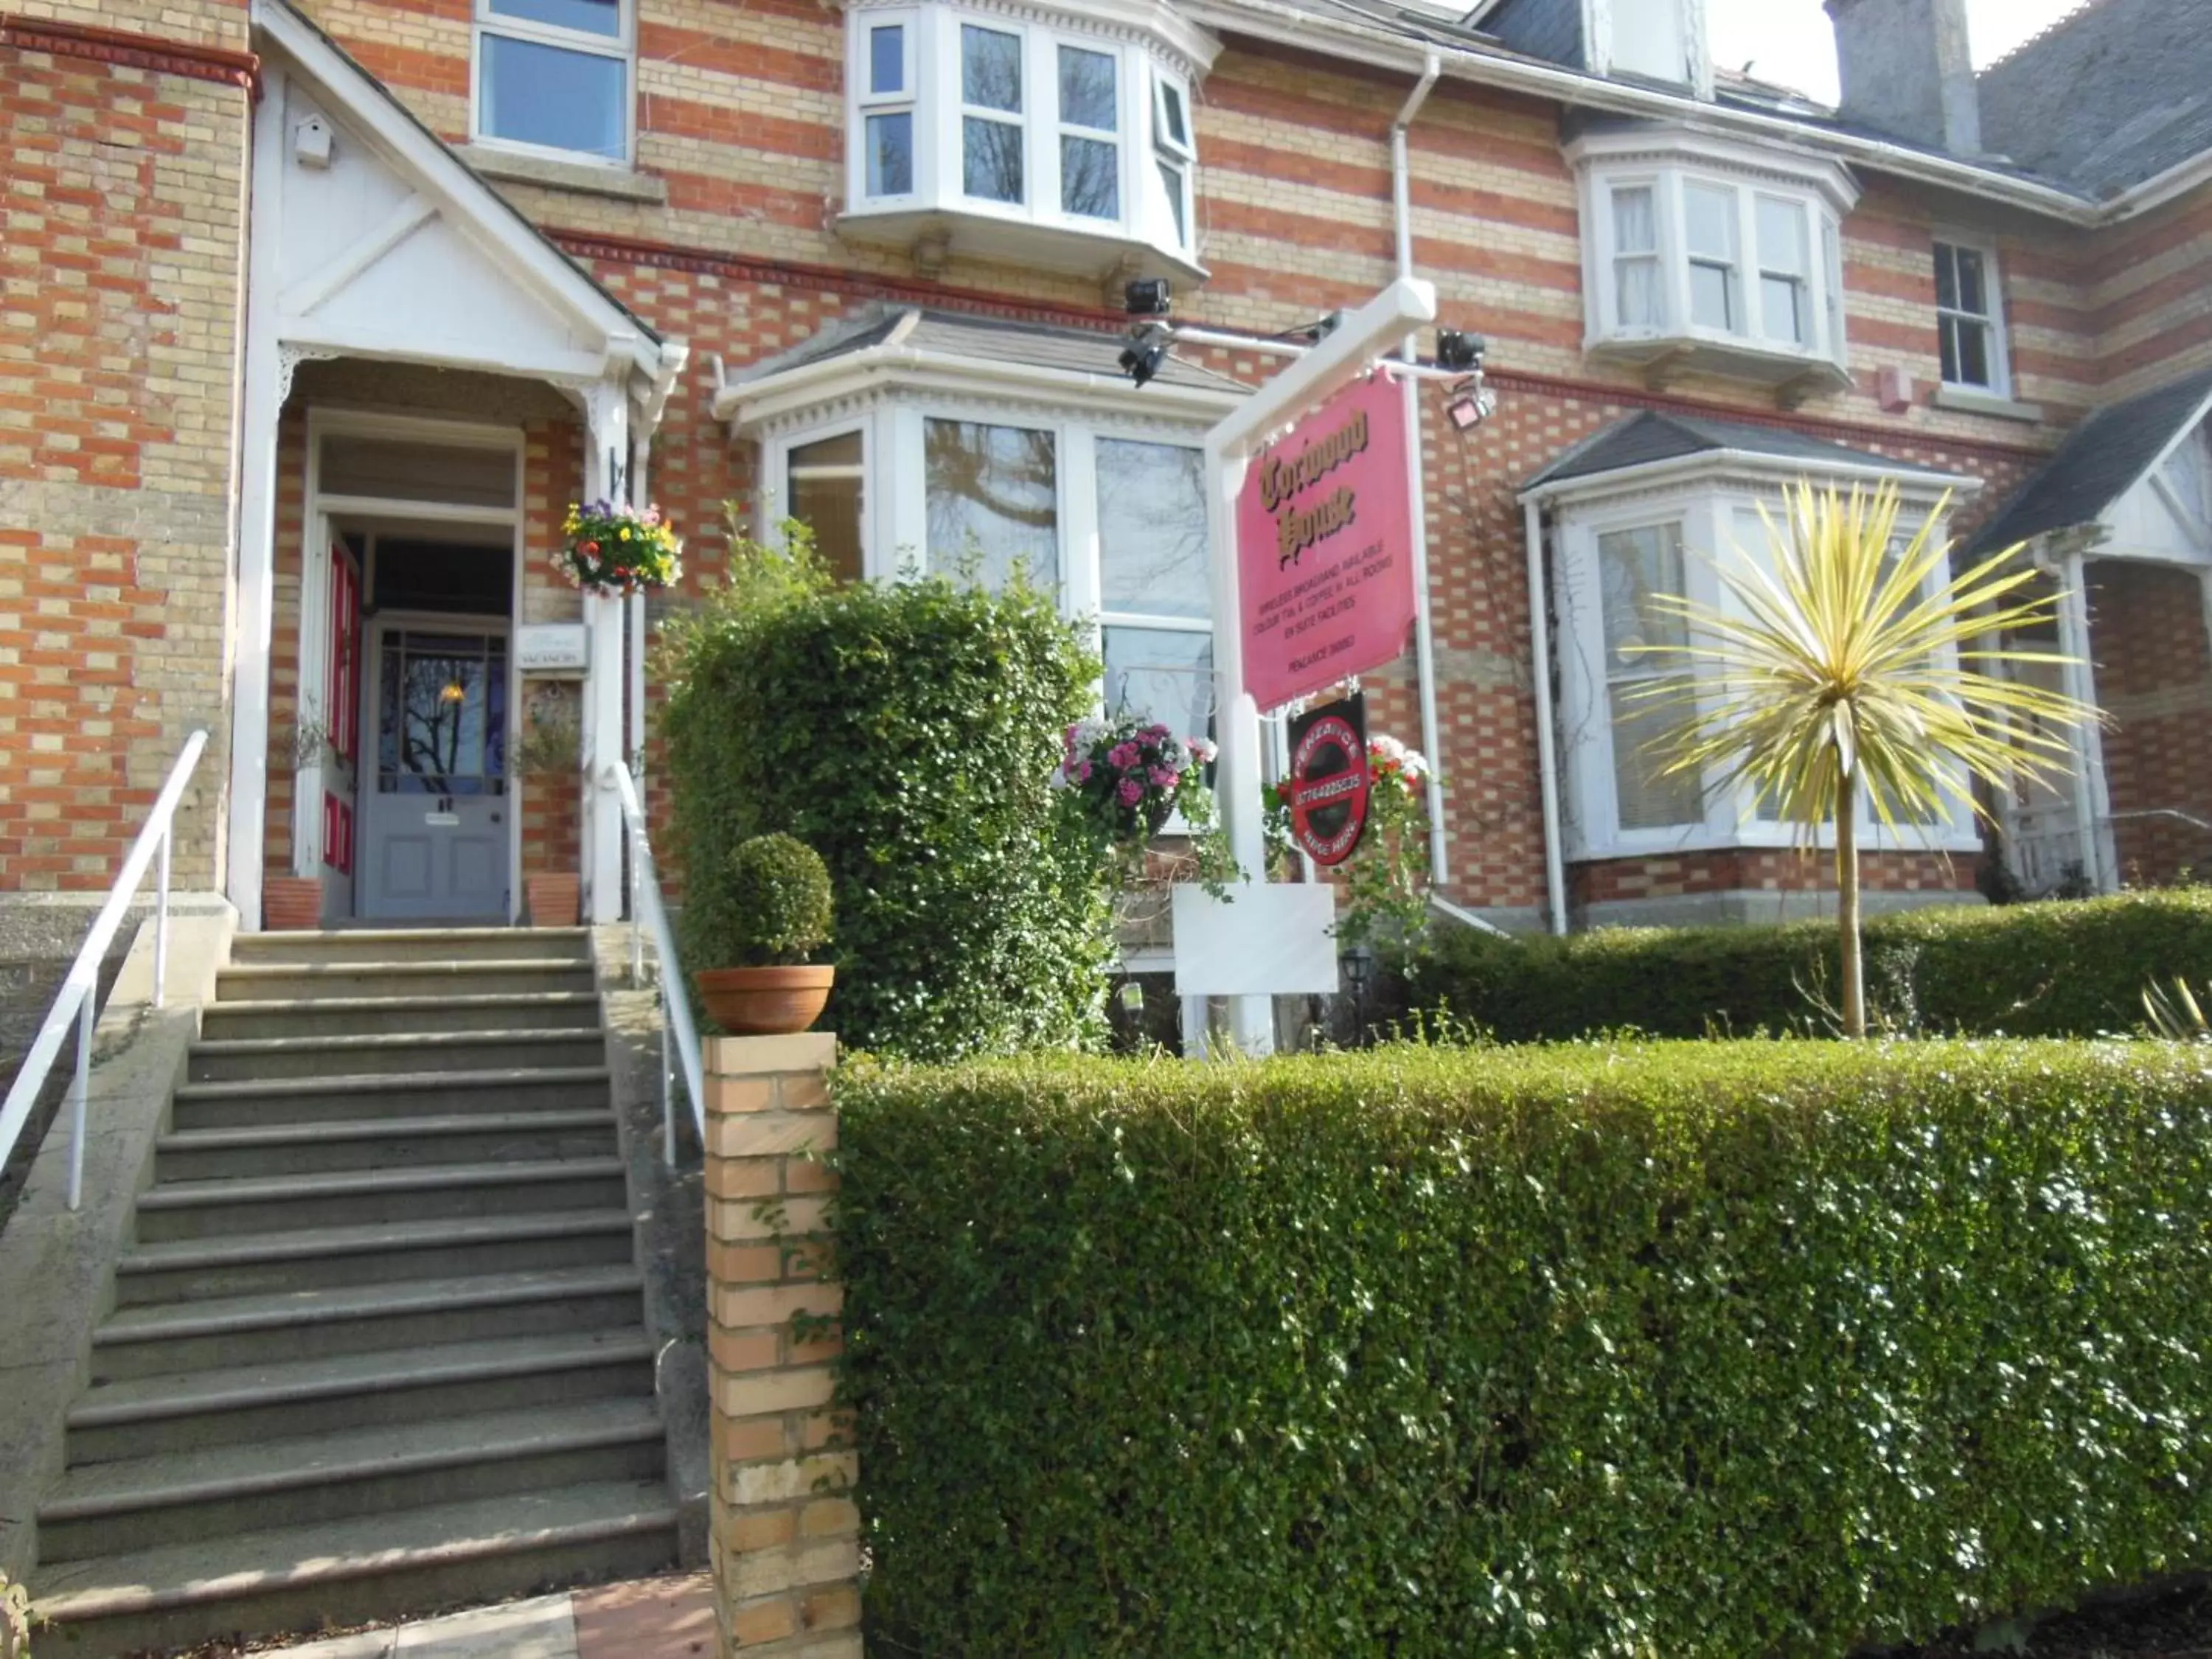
<point x="78" y="1002"/>
<point x="675" y="1003"/>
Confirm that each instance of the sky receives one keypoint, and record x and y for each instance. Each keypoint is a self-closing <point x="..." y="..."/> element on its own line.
<point x="1790" y="40"/>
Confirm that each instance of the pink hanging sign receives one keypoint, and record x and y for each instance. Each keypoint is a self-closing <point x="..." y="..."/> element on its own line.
<point x="1325" y="547"/>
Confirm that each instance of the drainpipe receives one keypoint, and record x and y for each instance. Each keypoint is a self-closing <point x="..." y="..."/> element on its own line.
<point x="1424" y="634"/>
<point x="1539" y="675"/>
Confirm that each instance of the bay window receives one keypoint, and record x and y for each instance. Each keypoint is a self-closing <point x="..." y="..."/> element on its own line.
<point x="554" y="77"/>
<point x="1006" y="134"/>
<point x="1704" y="257"/>
<point x="1112" y="520"/>
<point x="1616" y="550"/>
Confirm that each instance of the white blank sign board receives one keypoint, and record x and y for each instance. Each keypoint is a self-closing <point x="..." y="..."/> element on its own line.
<point x="1270" y="939"/>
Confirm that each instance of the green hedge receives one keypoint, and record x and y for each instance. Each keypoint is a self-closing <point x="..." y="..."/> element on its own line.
<point x="2071" y="968"/>
<point x="908" y="733"/>
<point x="1714" y="1350"/>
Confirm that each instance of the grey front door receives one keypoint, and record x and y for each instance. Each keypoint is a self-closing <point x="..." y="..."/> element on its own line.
<point x="433" y="836"/>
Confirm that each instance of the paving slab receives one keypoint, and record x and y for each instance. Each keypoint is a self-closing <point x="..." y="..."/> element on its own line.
<point x="648" y="1618"/>
<point x="539" y="1629"/>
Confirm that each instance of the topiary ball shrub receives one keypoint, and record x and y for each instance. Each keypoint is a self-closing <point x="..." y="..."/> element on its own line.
<point x="780" y="889"/>
<point x="908" y="732"/>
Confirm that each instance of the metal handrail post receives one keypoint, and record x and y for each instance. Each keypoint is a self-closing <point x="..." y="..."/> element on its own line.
<point x="80" y="1095"/>
<point x="161" y="921"/>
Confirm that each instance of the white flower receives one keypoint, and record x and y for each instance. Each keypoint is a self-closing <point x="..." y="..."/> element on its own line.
<point x="1204" y="750"/>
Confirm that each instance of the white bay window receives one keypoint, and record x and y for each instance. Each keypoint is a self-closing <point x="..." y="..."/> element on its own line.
<point x="1000" y="132"/>
<point x="1616" y="549"/>
<point x="1706" y="259"/>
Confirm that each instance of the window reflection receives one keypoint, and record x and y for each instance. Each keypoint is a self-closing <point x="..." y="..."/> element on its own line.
<point x="994" y="498"/>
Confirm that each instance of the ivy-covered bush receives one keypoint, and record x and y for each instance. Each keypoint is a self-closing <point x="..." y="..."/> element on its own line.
<point x="908" y="733"/>
<point x="2076" y="968"/>
<point x="1716" y="1351"/>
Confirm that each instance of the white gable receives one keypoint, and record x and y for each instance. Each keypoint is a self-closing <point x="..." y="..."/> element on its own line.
<point x="388" y="247"/>
<point x="2165" y="516"/>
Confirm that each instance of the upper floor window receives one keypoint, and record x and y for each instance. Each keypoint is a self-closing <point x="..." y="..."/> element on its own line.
<point x="1653" y="39"/>
<point x="1700" y="260"/>
<point x="1969" y="322"/>
<point x="555" y="76"/>
<point x="1012" y="136"/>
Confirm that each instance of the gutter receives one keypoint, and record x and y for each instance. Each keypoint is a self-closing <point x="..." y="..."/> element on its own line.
<point x="1425" y="632"/>
<point x="885" y="363"/>
<point x="1343" y="38"/>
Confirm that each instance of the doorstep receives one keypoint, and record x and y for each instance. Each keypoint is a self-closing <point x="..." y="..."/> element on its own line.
<point x="646" y="1619"/>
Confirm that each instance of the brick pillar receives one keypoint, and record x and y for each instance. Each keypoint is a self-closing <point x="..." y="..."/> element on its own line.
<point x="786" y="1537"/>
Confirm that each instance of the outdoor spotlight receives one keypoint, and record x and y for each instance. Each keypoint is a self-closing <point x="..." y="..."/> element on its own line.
<point x="1470" y="405"/>
<point x="1459" y="351"/>
<point x="1147" y="350"/>
<point x="1149" y="297"/>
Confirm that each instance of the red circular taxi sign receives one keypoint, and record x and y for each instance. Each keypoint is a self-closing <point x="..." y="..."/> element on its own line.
<point x="1329" y="780"/>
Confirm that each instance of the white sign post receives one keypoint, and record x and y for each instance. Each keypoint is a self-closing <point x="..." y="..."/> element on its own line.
<point x="1359" y="339"/>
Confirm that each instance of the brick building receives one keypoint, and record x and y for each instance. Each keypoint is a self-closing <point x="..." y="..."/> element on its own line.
<point x="319" y="312"/>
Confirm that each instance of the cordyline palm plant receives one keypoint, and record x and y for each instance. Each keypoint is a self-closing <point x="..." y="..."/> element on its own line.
<point x="1838" y="673"/>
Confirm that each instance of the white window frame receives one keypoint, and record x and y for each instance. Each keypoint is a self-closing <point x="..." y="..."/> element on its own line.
<point x="1706" y="507"/>
<point x="1994" y="320"/>
<point x="895" y="515"/>
<point x="1181" y="153"/>
<point x="1668" y="166"/>
<point x="1695" y="72"/>
<point x="936" y="99"/>
<point x="1063" y="129"/>
<point x="622" y="44"/>
<point x="868" y="102"/>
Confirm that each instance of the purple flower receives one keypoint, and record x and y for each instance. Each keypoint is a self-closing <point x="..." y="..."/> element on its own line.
<point x="1083" y="772"/>
<point x="1131" y="791"/>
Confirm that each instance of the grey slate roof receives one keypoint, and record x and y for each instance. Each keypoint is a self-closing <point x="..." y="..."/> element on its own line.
<point x="1551" y="29"/>
<point x="2115" y="95"/>
<point x="958" y="334"/>
<point x="2106" y="456"/>
<point x="1650" y="436"/>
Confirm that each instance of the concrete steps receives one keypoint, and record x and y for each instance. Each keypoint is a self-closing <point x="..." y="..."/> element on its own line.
<point x="384" y="1055"/>
<point x="244" y="1017"/>
<point x="375" y="1566"/>
<point x="380" y="1342"/>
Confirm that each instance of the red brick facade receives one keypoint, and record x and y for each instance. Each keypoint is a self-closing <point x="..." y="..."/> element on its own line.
<point x="741" y="131"/>
<point x="123" y="203"/>
<point x="2158" y="693"/>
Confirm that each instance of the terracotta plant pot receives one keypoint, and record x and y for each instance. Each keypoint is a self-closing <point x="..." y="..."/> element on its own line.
<point x="764" y="1001"/>
<point x="291" y="904"/>
<point x="555" y="900"/>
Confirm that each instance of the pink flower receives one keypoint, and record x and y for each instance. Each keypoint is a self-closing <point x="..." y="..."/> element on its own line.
<point x="1163" y="778"/>
<point x="1083" y="772"/>
<point x="1131" y="791"/>
<point x="1204" y="750"/>
<point x="1122" y="756"/>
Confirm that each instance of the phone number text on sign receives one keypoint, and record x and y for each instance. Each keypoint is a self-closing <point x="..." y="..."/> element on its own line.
<point x="1324" y="547"/>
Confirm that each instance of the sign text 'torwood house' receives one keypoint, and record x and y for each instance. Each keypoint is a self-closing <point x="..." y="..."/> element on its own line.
<point x="1324" y="547"/>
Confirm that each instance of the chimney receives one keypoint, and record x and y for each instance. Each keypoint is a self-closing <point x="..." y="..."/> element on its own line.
<point x="1907" y="69"/>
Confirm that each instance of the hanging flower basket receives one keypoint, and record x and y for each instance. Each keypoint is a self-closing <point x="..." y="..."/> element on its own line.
<point x="1125" y="780"/>
<point x="614" y="549"/>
